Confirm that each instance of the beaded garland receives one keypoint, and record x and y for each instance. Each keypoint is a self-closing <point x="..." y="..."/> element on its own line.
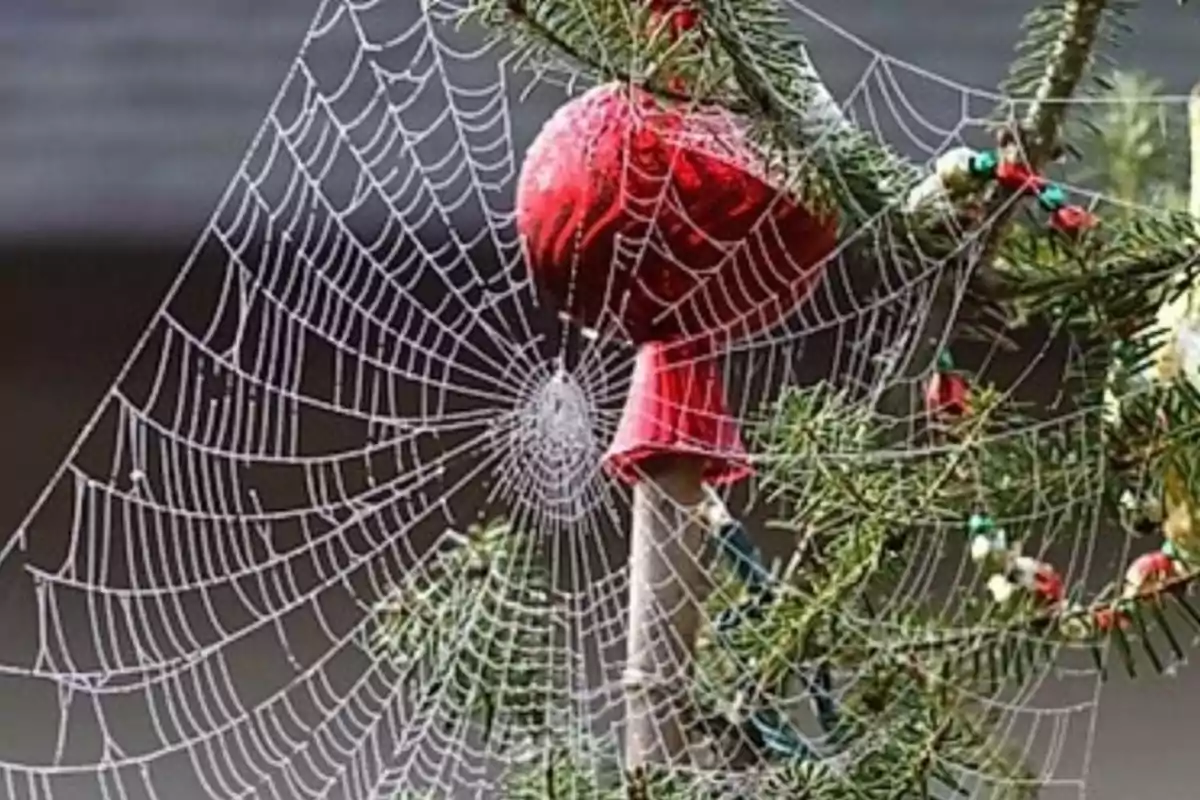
<point x="963" y="167"/>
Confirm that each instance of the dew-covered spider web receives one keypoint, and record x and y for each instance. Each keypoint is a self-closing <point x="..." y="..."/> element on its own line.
<point x="352" y="369"/>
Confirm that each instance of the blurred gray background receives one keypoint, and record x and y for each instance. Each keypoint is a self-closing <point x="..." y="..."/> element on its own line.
<point x="121" y="123"/>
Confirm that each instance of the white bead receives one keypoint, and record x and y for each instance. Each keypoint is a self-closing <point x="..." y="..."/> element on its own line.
<point x="954" y="167"/>
<point x="951" y="175"/>
<point x="714" y="509"/>
<point x="981" y="548"/>
<point x="1027" y="570"/>
<point x="1001" y="588"/>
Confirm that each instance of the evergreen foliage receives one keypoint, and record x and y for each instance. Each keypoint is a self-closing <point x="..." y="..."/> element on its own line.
<point x="863" y="507"/>
<point x="479" y="631"/>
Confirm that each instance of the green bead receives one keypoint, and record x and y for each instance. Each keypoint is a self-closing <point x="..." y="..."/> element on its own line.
<point x="980" y="524"/>
<point x="1169" y="550"/>
<point x="984" y="164"/>
<point x="1052" y="197"/>
<point x="944" y="361"/>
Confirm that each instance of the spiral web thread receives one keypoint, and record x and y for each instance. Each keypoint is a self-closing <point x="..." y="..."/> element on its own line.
<point x="352" y="368"/>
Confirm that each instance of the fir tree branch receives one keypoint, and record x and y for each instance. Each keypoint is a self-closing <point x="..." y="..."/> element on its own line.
<point x="520" y="16"/>
<point x="1040" y="621"/>
<point x="1057" y="50"/>
<point x="517" y="16"/>
<point x="1063" y="37"/>
<point x="1076" y="39"/>
<point x="479" y="628"/>
<point x="777" y="83"/>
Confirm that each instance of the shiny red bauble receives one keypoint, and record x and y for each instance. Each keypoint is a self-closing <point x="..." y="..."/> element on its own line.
<point x="660" y="220"/>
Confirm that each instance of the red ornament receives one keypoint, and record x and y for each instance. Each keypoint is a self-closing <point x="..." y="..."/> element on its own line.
<point x="1149" y="572"/>
<point x="946" y="395"/>
<point x="660" y="224"/>
<point x="661" y="221"/>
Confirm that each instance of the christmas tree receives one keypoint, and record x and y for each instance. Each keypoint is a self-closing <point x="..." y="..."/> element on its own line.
<point x="869" y="480"/>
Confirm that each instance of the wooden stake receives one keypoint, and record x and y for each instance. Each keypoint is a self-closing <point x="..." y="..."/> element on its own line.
<point x="667" y="588"/>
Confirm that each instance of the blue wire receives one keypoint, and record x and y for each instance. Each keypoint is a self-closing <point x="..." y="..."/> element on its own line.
<point x="745" y="558"/>
<point x="777" y="735"/>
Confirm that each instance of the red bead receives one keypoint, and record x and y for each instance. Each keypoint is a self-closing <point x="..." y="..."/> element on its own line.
<point x="1017" y="177"/>
<point x="684" y="21"/>
<point x="1109" y="618"/>
<point x="1048" y="585"/>
<point x="1070" y="219"/>
<point x="680" y="15"/>
<point x="946" y="395"/>
<point x="662" y="222"/>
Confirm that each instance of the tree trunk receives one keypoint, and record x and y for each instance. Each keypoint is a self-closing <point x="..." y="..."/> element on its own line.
<point x="666" y="591"/>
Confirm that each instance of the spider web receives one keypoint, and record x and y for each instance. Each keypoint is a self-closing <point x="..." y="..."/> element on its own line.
<point x="352" y="368"/>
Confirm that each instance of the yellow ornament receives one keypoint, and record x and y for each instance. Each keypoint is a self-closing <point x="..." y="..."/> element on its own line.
<point x="1074" y="623"/>
<point x="1179" y="356"/>
<point x="1179" y="526"/>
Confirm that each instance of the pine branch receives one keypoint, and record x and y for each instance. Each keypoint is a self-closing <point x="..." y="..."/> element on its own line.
<point x="1061" y="38"/>
<point x="966" y="641"/>
<point x="822" y="468"/>
<point x="764" y="56"/>
<point x="772" y="69"/>
<point x="597" y="43"/>
<point x="1053" y="57"/>
<point x="1113" y="284"/>
<point x="802" y="625"/>
<point x="1075" y="36"/>
<point x="479" y="629"/>
<point x="1118" y="277"/>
